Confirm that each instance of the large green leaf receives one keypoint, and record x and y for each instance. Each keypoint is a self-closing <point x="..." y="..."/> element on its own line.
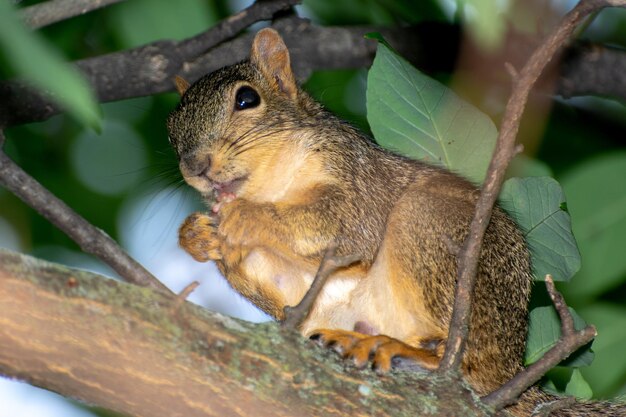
<point x="43" y="66"/>
<point x="543" y="332"/>
<point x="596" y="193"/>
<point x="537" y="204"/>
<point x="417" y="116"/>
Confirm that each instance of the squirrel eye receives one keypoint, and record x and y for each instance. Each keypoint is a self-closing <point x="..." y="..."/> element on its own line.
<point x="246" y="98"/>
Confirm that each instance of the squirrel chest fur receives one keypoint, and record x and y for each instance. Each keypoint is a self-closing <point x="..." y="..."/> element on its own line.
<point x="284" y="179"/>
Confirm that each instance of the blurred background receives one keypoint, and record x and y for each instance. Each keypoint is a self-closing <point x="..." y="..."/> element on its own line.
<point x="125" y="179"/>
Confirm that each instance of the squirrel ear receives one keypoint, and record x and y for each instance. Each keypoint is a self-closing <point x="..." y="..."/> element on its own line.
<point x="270" y="54"/>
<point x="181" y="84"/>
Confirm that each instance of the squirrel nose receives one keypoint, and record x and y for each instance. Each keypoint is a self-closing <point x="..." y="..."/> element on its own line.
<point x="197" y="166"/>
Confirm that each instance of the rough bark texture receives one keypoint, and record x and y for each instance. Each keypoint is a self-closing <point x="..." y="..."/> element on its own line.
<point x="144" y="353"/>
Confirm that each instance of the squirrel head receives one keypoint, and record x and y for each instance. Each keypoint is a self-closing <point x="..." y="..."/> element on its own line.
<point x="230" y="125"/>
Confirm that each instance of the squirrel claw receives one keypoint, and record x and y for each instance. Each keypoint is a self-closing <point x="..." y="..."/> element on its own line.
<point x="381" y="349"/>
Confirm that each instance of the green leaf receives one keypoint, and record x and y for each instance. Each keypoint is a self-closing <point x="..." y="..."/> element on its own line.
<point x="606" y="374"/>
<point x="43" y="66"/>
<point x="596" y="193"/>
<point x="419" y="117"/>
<point x="543" y="332"/>
<point x="567" y="381"/>
<point x="535" y="203"/>
<point x="578" y="387"/>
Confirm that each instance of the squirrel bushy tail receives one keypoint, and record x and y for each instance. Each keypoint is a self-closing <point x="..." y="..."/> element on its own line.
<point x="534" y="399"/>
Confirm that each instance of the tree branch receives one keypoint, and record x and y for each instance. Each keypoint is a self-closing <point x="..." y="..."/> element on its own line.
<point x="89" y="238"/>
<point x="505" y="149"/>
<point x="228" y="28"/>
<point x="122" y="347"/>
<point x="295" y="316"/>
<point x="136" y="72"/>
<point x="569" y="341"/>
<point x="150" y="69"/>
<point x="53" y="11"/>
<point x="591" y="69"/>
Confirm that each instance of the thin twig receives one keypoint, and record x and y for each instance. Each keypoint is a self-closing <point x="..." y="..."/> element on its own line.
<point x="295" y="316"/>
<point x="187" y="290"/>
<point x="227" y="28"/>
<point x="504" y="152"/>
<point x="567" y="321"/>
<point x="181" y="297"/>
<point x="53" y="11"/>
<point x="90" y="239"/>
<point x="569" y="341"/>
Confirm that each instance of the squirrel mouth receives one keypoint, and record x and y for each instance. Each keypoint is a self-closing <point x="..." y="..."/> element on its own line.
<point x="226" y="192"/>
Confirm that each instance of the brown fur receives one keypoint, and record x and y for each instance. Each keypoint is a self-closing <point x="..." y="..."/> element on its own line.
<point x="306" y="179"/>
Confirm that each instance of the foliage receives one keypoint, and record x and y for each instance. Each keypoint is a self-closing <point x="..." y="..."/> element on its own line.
<point x="419" y="117"/>
<point x="538" y="206"/>
<point x="28" y="54"/>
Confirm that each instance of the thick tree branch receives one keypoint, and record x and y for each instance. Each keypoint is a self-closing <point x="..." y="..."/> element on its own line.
<point x="127" y="349"/>
<point x="151" y="68"/>
<point x="52" y="11"/>
<point x="570" y="340"/>
<point x="591" y="69"/>
<point x="505" y="150"/>
<point x="89" y="238"/>
<point x="136" y="72"/>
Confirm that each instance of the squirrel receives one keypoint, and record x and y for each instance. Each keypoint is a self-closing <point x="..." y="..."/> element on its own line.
<point x="284" y="179"/>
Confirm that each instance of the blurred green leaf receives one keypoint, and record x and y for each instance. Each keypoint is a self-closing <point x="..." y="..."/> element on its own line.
<point x="39" y="64"/>
<point x="543" y="332"/>
<point x="111" y="163"/>
<point x="535" y="204"/>
<point x="139" y="22"/>
<point x="608" y="371"/>
<point x="419" y="117"/>
<point x="596" y="193"/>
<point x="486" y="22"/>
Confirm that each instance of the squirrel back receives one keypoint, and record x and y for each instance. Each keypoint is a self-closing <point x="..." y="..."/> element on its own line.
<point x="284" y="179"/>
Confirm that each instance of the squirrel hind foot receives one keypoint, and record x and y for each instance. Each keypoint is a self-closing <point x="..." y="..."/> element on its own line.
<point x="383" y="351"/>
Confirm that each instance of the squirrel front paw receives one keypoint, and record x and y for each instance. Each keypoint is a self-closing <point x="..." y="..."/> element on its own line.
<point x="198" y="237"/>
<point x="241" y="223"/>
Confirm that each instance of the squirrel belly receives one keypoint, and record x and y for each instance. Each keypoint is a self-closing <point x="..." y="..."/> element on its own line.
<point x="292" y="178"/>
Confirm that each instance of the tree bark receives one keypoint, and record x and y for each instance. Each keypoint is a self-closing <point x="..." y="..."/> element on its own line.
<point x="144" y="353"/>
